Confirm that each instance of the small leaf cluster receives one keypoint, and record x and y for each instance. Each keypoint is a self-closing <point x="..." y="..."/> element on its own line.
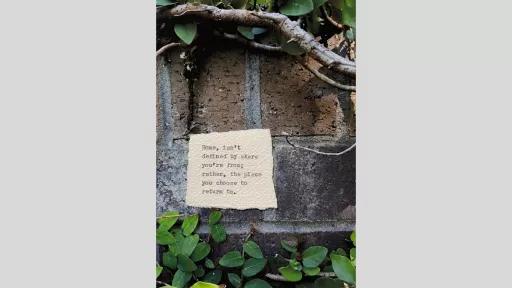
<point x="186" y="255"/>
<point x="310" y="261"/>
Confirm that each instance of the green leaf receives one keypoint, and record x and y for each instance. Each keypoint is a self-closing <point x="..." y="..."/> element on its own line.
<point x="252" y="249"/>
<point x="214" y="217"/>
<point x="181" y="279"/>
<point x="164" y="237"/>
<point x="164" y="2"/>
<point x="158" y="270"/>
<point x="295" y="265"/>
<point x="190" y="223"/>
<point x="339" y="251"/>
<point x="234" y="279"/>
<point x="290" y="274"/>
<point x="297" y="7"/>
<point x="314" y="256"/>
<point x="253" y="266"/>
<point x="185" y="264"/>
<point x="288" y="246"/>
<point x="246" y="32"/>
<point x="168" y="286"/>
<point x="199" y="272"/>
<point x="189" y="244"/>
<point x="353" y="234"/>
<point x="204" y="285"/>
<point x="348" y="14"/>
<point x="213" y="276"/>
<point x="167" y="220"/>
<point x="353" y="254"/>
<point x="175" y="248"/>
<point x="257" y="283"/>
<point x="258" y="30"/>
<point x="202" y="250"/>
<point x="186" y="32"/>
<point x="170" y="260"/>
<point x="232" y="259"/>
<point x="209" y="264"/>
<point x="311" y="271"/>
<point x="318" y="3"/>
<point x="218" y="233"/>
<point x="324" y="282"/>
<point x="343" y="268"/>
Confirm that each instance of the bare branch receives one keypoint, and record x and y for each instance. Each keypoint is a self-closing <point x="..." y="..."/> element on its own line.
<point x="249" y="43"/>
<point x="320" y="152"/>
<point x="332" y="21"/>
<point x="323" y="77"/>
<point x="279" y="22"/>
<point x="167" y="46"/>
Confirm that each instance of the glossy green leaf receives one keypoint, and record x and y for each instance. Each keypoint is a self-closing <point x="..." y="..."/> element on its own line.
<point x="218" y="233"/>
<point x="343" y="268"/>
<point x="324" y="282"/>
<point x="232" y="259"/>
<point x="252" y="249"/>
<point x="189" y="244"/>
<point x="295" y="265"/>
<point x="167" y="220"/>
<point x="314" y="256"/>
<point x="297" y="7"/>
<point x="257" y="283"/>
<point x="199" y="272"/>
<point x="234" y="279"/>
<point x="258" y="30"/>
<point x="214" y="217"/>
<point x="353" y="234"/>
<point x="339" y="251"/>
<point x="181" y="279"/>
<point x="288" y="246"/>
<point x="170" y="260"/>
<point x="204" y="285"/>
<point x="186" y="32"/>
<point x="209" y="263"/>
<point x="164" y="237"/>
<point x="353" y="254"/>
<point x="246" y="32"/>
<point x="348" y="13"/>
<point x="164" y="2"/>
<point x="290" y="274"/>
<point x="213" y="276"/>
<point x="311" y="271"/>
<point x="158" y="270"/>
<point x="200" y="252"/>
<point x="167" y="286"/>
<point x="253" y="266"/>
<point x="185" y="264"/>
<point x="318" y="3"/>
<point x="190" y="223"/>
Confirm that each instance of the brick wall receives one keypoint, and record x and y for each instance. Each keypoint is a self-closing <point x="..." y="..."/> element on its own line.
<point x="239" y="89"/>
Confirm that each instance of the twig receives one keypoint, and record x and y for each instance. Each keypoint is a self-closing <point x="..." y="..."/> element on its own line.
<point x="323" y="77"/>
<point x="332" y="21"/>
<point x="320" y="152"/>
<point x="252" y="44"/>
<point x="167" y="46"/>
<point x="279" y="22"/>
<point x="277" y="277"/>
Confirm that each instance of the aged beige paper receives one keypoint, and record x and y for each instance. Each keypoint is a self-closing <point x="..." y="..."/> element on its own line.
<point x="231" y="170"/>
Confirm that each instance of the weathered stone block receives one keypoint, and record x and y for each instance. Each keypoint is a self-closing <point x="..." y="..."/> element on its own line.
<point x="294" y="101"/>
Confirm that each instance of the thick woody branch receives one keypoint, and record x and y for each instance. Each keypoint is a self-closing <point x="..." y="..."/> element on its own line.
<point x="279" y="22"/>
<point x="303" y="62"/>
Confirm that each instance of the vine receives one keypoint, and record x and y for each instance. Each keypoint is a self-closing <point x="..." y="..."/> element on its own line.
<point x="300" y="28"/>
<point x="186" y="259"/>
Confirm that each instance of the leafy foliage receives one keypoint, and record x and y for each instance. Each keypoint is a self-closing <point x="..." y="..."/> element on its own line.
<point x="185" y="259"/>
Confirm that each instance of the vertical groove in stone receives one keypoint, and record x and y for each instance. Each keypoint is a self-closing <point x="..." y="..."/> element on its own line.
<point x="164" y="102"/>
<point x="252" y="91"/>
